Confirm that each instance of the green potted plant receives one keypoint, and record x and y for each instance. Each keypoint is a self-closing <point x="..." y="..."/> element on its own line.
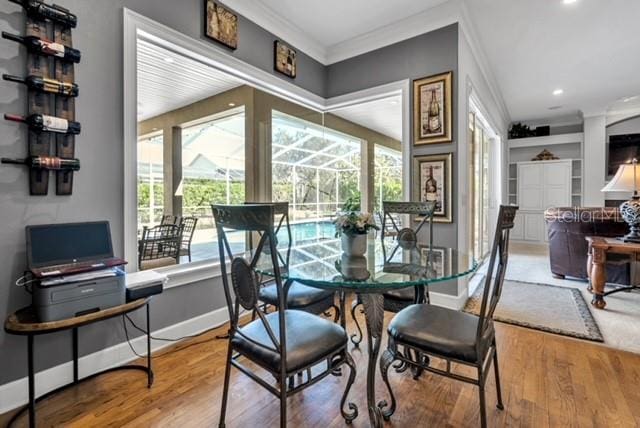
<point x="352" y="227"/>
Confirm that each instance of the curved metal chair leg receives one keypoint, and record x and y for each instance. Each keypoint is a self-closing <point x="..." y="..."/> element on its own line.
<point x="336" y="313"/>
<point x="401" y="366"/>
<point x="225" y="388"/>
<point x="500" y="406"/>
<point x="354" y="305"/>
<point x="353" y="413"/>
<point x="386" y="361"/>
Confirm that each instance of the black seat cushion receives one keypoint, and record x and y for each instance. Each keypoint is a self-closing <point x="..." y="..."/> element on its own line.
<point x="299" y="295"/>
<point x="408" y="294"/>
<point x="309" y="340"/>
<point x="440" y="331"/>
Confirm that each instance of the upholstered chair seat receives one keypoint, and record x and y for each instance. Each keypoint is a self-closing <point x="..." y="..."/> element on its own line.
<point x="309" y="339"/>
<point x="300" y="297"/>
<point x="441" y="331"/>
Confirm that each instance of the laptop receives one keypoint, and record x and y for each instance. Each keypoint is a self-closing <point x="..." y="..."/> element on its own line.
<point x="70" y="248"/>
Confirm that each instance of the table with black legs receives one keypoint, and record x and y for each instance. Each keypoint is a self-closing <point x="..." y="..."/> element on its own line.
<point x="387" y="265"/>
<point x="24" y="323"/>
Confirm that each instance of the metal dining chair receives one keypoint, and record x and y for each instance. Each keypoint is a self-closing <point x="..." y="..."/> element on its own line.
<point x="286" y="342"/>
<point x="300" y="296"/>
<point x="426" y="330"/>
<point x="396" y="300"/>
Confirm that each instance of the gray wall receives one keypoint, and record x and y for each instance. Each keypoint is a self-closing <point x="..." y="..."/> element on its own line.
<point x="98" y="189"/>
<point x="425" y="55"/>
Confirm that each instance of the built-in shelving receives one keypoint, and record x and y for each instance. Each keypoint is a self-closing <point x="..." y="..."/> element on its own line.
<point x="564" y="146"/>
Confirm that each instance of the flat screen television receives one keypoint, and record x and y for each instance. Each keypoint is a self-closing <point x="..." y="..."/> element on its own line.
<point x="622" y="149"/>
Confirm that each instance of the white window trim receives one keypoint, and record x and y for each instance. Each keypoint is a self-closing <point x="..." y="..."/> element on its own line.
<point x="138" y="26"/>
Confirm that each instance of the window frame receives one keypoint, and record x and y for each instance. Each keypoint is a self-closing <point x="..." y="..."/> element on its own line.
<point x="137" y="26"/>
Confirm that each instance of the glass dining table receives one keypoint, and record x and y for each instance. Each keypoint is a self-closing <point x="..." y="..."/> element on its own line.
<point x="387" y="265"/>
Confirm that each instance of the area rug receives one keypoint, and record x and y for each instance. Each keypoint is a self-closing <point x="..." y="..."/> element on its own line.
<point x="550" y="308"/>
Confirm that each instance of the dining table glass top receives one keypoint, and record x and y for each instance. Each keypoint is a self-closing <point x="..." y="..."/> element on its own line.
<point x="388" y="264"/>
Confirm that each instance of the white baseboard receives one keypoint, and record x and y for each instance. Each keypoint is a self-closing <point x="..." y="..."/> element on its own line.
<point x="15" y="394"/>
<point x="449" y="301"/>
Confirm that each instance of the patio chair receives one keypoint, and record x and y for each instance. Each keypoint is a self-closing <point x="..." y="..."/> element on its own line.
<point x="159" y="246"/>
<point x="188" y="228"/>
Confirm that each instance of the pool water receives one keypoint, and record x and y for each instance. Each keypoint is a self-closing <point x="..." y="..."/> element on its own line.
<point x="305" y="232"/>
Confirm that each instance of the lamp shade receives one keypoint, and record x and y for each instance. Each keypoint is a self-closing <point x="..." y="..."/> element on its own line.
<point x="627" y="179"/>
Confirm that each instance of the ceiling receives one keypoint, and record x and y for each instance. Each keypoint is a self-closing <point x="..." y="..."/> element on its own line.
<point x="588" y="48"/>
<point x="382" y="115"/>
<point x="167" y="81"/>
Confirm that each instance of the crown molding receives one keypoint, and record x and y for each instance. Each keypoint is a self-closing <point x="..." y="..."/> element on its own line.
<point x="436" y="17"/>
<point x="262" y="15"/>
<point x="445" y="13"/>
<point x="469" y="32"/>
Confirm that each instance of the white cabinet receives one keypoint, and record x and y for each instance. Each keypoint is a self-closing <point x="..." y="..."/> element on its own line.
<point x="533" y="226"/>
<point x="541" y="185"/>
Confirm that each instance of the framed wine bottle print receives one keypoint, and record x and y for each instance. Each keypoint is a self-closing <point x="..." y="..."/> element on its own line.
<point x="432" y="109"/>
<point x="432" y="182"/>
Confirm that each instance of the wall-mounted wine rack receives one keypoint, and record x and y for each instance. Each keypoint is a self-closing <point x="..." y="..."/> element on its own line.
<point x="50" y="79"/>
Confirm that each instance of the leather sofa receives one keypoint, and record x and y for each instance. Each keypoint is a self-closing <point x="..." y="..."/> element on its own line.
<point x="568" y="248"/>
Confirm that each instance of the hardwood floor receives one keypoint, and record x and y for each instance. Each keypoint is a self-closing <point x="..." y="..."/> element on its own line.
<point x="547" y="380"/>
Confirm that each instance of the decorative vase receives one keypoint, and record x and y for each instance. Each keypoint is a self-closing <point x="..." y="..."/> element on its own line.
<point x="354" y="244"/>
<point x="630" y="211"/>
<point x="354" y="268"/>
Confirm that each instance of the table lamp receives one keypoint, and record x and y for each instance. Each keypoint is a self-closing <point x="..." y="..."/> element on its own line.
<point x="627" y="179"/>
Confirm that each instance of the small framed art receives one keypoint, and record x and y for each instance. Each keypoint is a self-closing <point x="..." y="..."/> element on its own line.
<point x="432" y="182"/>
<point x="284" y="59"/>
<point x="432" y="109"/>
<point x="221" y="24"/>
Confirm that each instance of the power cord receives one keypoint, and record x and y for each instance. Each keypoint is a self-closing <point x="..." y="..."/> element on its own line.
<point x="126" y="332"/>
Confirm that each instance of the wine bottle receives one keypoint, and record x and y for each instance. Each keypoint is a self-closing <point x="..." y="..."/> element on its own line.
<point x="45" y="162"/>
<point x="40" y="46"/>
<point x="43" y="123"/>
<point x="43" y="12"/>
<point x="434" y="114"/>
<point x="430" y="187"/>
<point x="43" y="84"/>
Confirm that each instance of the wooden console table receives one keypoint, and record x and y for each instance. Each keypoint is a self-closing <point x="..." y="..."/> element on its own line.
<point x="596" y="265"/>
<point x="24" y="322"/>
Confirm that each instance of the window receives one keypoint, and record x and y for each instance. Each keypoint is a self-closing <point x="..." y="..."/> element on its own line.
<point x="150" y="181"/>
<point x="213" y="172"/>
<point x="313" y="168"/>
<point x="388" y="176"/>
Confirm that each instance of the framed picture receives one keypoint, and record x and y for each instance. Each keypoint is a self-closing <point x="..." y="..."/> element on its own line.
<point x="221" y="24"/>
<point x="439" y="257"/>
<point x="284" y="59"/>
<point x="432" y="182"/>
<point x="432" y="109"/>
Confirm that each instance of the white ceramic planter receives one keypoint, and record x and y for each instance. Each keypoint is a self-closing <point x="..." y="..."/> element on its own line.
<point x="354" y="245"/>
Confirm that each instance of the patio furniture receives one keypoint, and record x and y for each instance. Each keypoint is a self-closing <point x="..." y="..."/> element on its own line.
<point x="284" y="343"/>
<point x="170" y="219"/>
<point x="159" y="246"/>
<point x="188" y="228"/>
